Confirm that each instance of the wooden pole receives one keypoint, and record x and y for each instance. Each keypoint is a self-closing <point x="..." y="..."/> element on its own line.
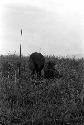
<point x="20" y="51"/>
<point x="20" y="62"/>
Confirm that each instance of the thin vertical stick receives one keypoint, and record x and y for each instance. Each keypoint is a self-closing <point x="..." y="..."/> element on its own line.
<point x="20" y="66"/>
<point x="20" y="51"/>
<point x="20" y="62"/>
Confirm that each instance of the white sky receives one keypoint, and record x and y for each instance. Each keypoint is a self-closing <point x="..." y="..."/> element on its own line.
<point x="49" y="26"/>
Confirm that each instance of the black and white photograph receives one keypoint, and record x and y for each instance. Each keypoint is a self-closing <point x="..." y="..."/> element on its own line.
<point x="41" y="62"/>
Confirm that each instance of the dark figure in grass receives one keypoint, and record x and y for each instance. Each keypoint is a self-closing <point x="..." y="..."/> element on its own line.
<point x="50" y="71"/>
<point x="36" y="63"/>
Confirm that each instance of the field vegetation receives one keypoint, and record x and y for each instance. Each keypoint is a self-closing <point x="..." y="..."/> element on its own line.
<point x="52" y="100"/>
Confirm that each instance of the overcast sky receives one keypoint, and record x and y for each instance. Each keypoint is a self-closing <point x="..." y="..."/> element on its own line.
<point x="49" y="26"/>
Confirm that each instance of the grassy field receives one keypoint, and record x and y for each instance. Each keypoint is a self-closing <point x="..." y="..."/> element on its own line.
<point x="56" y="101"/>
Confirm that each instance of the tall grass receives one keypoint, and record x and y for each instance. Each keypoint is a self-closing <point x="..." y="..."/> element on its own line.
<point x="42" y="101"/>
